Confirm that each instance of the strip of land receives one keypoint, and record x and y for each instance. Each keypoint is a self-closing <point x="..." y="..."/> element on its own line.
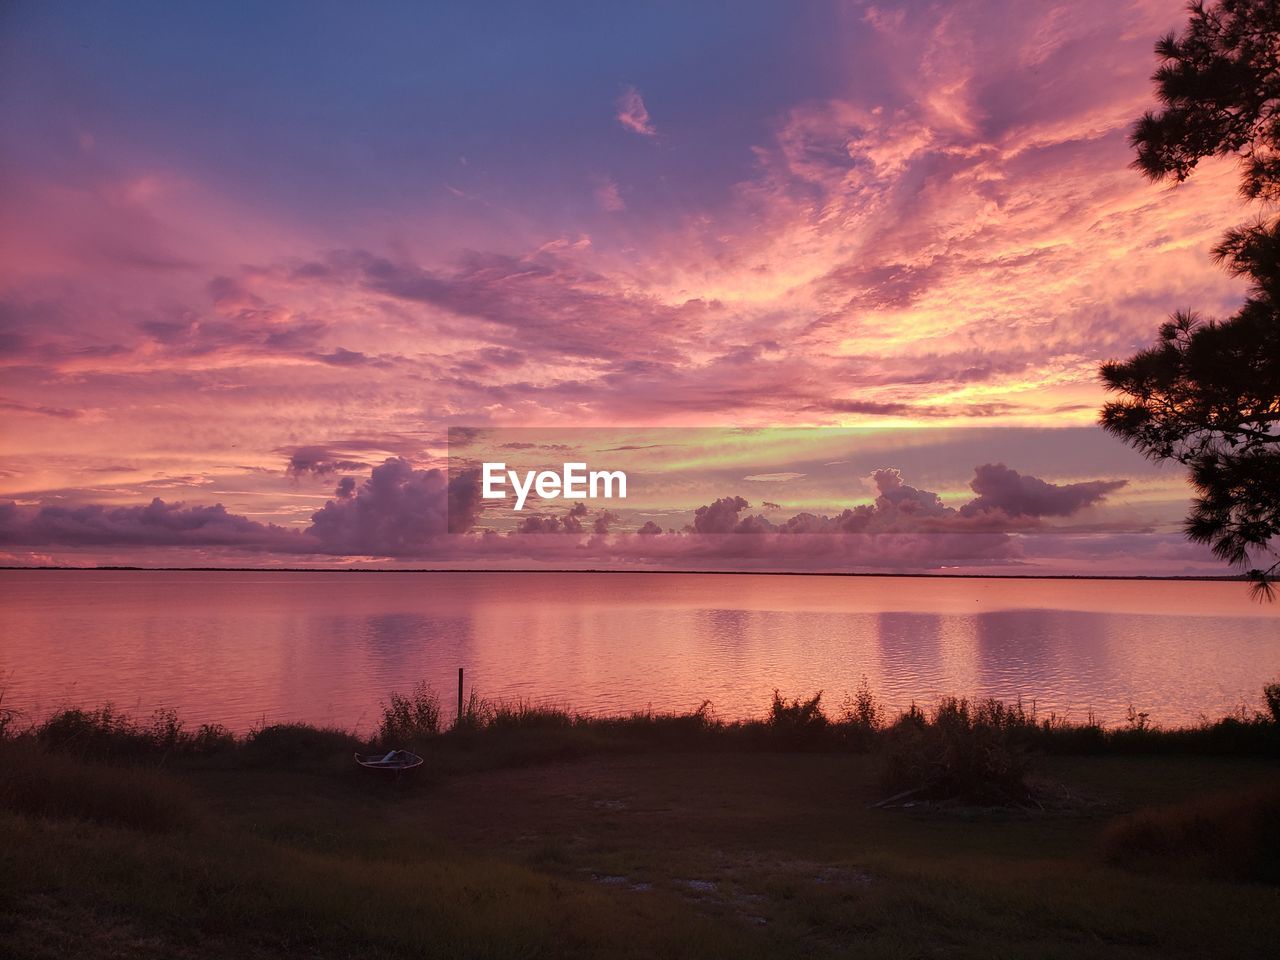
<point x="531" y="832"/>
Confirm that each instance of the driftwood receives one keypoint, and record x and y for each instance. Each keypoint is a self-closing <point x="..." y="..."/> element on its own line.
<point x="889" y="801"/>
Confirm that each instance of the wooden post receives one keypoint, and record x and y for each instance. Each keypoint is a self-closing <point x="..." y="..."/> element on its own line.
<point x="458" y="722"/>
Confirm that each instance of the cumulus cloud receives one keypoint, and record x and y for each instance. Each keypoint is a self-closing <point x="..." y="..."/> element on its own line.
<point x="397" y="512"/>
<point x="603" y="521"/>
<point x="633" y="114"/>
<point x="400" y="512"/>
<point x="1006" y="501"/>
<point x="903" y="500"/>
<point x="720" y="516"/>
<point x="546" y="523"/>
<point x="1006" y="490"/>
<point x="575" y="520"/>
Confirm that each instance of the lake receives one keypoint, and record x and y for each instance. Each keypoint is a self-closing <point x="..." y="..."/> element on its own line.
<point x="243" y="647"/>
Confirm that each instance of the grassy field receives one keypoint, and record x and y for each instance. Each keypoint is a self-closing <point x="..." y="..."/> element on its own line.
<point x="555" y="840"/>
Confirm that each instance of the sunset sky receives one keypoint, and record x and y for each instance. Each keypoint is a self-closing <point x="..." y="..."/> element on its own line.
<point x="253" y="253"/>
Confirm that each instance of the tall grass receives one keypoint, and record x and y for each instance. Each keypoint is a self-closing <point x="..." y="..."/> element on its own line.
<point x="954" y="748"/>
<point x="105" y="732"/>
<point x="37" y="783"/>
<point x="477" y="714"/>
<point x="8" y="718"/>
<point x="1234" y="835"/>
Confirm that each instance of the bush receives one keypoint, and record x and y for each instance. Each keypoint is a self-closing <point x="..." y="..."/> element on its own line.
<point x="7" y="719"/>
<point x="863" y="709"/>
<point x="211" y="738"/>
<point x="103" y="732"/>
<point x="106" y="734"/>
<point x="861" y="719"/>
<point x="962" y="752"/>
<point x="297" y="745"/>
<point x="1271" y="692"/>
<point x="798" y="722"/>
<point x="165" y="732"/>
<point x="408" y="718"/>
<point x="1230" y="835"/>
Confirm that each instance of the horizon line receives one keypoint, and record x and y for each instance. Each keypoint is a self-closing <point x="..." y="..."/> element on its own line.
<point x="736" y="573"/>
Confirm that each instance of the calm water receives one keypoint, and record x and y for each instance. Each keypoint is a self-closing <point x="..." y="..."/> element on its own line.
<point x="327" y="647"/>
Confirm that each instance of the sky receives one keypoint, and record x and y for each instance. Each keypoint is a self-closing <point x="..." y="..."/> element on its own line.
<point x="257" y="261"/>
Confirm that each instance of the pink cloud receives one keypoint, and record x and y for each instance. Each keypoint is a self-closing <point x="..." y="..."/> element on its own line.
<point x="609" y="197"/>
<point x="155" y="525"/>
<point x="408" y="514"/>
<point x="961" y="242"/>
<point x="1013" y="494"/>
<point x="633" y="114"/>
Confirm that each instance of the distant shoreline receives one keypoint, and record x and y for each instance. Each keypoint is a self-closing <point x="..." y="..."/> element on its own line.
<point x="1236" y="578"/>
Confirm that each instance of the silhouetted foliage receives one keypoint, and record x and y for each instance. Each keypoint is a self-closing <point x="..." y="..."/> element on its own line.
<point x="106" y="733"/>
<point x="964" y="752"/>
<point x="862" y="717"/>
<point x="476" y="714"/>
<point x="1219" y="86"/>
<point x="7" y="717"/>
<point x="299" y="746"/>
<point x="798" y="722"/>
<point x="960" y="751"/>
<point x="1271" y="693"/>
<point x="408" y="718"/>
<point x="1208" y="393"/>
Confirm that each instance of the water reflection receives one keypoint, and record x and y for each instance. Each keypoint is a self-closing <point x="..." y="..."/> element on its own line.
<point x="240" y="648"/>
